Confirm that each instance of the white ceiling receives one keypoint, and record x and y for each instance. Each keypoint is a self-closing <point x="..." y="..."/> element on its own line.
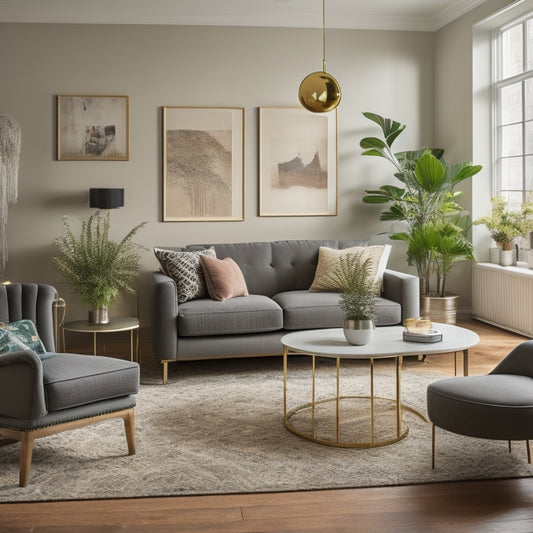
<point x="419" y="15"/>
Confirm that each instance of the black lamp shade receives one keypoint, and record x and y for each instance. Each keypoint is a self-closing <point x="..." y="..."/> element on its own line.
<point x="106" y="198"/>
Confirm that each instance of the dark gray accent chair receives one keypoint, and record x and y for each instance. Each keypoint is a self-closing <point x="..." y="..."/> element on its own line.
<point x="497" y="406"/>
<point x="41" y="397"/>
<point x="278" y="275"/>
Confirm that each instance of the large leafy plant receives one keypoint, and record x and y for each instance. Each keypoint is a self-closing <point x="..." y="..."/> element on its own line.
<point x="354" y="279"/>
<point x="97" y="267"/>
<point x="437" y="229"/>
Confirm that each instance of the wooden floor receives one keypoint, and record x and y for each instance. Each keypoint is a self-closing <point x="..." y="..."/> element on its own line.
<point x="499" y="506"/>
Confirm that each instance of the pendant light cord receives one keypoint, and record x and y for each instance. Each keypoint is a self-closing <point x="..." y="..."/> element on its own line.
<point x="324" y="35"/>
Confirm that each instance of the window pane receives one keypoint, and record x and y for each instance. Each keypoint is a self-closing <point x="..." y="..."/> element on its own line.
<point x="528" y="88"/>
<point x="511" y="140"/>
<point x="529" y="173"/>
<point x="511" y="103"/>
<point x="529" y="137"/>
<point x="529" y="41"/>
<point x="512" y="51"/>
<point x="511" y="173"/>
<point x="514" y="200"/>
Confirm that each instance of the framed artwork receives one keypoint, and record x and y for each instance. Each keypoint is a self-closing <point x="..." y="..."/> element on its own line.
<point x="93" y="128"/>
<point x="203" y="164"/>
<point x="297" y="162"/>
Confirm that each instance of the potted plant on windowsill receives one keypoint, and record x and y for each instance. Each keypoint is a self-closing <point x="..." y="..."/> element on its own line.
<point x="504" y="226"/>
<point x="436" y="226"/>
<point x="97" y="267"/>
<point x="354" y="278"/>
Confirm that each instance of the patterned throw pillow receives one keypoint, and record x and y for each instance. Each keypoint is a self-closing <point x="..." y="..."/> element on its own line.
<point x="329" y="261"/>
<point x="26" y="333"/>
<point x="184" y="268"/>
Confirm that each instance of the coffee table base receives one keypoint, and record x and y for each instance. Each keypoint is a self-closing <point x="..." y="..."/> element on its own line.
<point x="334" y="434"/>
<point x="335" y="438"/>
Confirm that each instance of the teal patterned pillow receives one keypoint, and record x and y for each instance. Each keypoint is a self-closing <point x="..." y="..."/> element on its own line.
<point x="10" y="343"/>
<point x="25" y="333"/>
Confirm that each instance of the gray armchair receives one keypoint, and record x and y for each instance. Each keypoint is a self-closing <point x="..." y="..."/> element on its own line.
<point x="44" y="395"/>
<point x="497" y="406"/>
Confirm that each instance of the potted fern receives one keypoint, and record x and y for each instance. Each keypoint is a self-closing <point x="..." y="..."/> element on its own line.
<point x="355" y="279"/>
<point x="97" y="267"/>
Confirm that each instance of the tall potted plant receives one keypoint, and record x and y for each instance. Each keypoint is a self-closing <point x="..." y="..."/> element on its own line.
<point x="436" y="227"/>
<point x="358" y="299"/>
<point x="97" y="267"/>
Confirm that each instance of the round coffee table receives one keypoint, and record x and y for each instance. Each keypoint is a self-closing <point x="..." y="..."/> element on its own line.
<point x="387" y="343"/>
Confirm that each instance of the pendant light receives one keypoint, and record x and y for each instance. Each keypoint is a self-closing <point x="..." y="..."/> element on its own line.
<point x="319" y="91"/>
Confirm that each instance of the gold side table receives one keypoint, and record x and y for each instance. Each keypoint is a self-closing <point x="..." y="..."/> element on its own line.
<point x="115" y="325"/>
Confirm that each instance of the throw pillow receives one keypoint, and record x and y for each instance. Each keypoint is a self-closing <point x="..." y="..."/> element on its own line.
<point x="184" y="268"/>
<point x="223" y="277"/>
<point x="25" y="332"/>
<point x="329" y="261"/>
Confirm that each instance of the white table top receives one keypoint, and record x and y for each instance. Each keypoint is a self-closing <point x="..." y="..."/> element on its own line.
<point x="387" y="342"/>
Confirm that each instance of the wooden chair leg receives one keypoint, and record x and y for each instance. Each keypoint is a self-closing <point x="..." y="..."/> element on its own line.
<point x="528" y="452"/>
<point x="129" y="426"/>
<point x="26" y="451"/>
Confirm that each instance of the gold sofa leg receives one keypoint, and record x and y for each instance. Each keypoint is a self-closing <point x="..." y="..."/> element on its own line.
<point x="165" y="363"/>
<point x="432" y="446"/>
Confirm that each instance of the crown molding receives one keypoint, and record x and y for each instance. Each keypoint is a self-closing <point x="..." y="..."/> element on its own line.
<point x="162" y="12"/>
<point x="453" y="11"/>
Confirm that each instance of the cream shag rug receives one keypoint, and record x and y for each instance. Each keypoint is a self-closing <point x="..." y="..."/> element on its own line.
<point x="217" y="427"/>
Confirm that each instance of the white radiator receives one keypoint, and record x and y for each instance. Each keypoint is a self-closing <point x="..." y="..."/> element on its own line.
<point x="503" y="296"/>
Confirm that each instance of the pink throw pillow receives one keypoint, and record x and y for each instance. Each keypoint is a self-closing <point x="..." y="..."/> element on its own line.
<point x="223" y="278"/>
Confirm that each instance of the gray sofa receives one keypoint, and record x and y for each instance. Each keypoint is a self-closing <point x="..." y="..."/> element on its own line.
<point x="278" y="275"/>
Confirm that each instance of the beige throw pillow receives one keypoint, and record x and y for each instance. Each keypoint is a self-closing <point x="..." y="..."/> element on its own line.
<point x="329" y="261"/>
<point x="223" y="278"/>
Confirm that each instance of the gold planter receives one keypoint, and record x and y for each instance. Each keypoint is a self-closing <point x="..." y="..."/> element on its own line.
<point x="99" y="316"/>
<point x="439" y="308"/>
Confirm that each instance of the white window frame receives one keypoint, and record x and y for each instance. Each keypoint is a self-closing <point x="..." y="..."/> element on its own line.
<point x="498" y="82"/>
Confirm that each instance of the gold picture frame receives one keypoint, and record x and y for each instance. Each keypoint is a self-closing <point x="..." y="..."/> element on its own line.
<point x="298" y="163"/>
<point x="203" y="164"/>
<point x="93" y="128"/>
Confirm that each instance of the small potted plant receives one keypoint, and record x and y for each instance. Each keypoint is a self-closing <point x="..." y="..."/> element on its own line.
<point x="354" y="278"/>
<point x="504" y="226"/>
<point x="97" y="267"/>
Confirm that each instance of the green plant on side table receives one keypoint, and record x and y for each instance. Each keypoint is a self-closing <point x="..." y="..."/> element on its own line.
<point x="97" y="267"/>
<point x="504" y="225"/>
<point x="354" y="278"/>
<point x="436" y="226"/>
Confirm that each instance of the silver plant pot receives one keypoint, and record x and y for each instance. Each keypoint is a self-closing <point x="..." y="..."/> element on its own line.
<point x="99" y="316"/>
<point x="359" y="332"/>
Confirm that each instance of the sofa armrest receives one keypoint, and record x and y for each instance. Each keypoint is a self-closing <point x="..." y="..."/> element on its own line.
<point x="403" y="289"/>
<point x="164" y="317"/>
<point x="21" y="386"/>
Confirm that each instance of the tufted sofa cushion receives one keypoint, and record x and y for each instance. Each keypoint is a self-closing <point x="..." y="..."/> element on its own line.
<point x="279" y="266"/>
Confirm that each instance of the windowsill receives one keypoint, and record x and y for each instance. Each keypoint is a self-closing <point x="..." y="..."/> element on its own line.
<point x="521" y="268"/>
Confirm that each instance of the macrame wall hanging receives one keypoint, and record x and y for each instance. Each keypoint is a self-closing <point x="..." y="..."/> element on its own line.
<point x="10" y="140"/>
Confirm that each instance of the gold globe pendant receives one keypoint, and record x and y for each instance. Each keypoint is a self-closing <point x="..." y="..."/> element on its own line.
<point x="319" y="92"/>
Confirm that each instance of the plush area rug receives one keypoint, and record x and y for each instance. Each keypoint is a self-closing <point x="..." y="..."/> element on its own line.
<point x="217" y="427"/>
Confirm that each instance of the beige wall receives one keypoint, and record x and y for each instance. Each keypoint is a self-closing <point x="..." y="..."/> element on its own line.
<point x="453" y="114"/>
<point x="387" y="72"/>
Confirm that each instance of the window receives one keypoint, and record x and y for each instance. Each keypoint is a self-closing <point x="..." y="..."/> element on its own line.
<point x="513" y="112"/>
